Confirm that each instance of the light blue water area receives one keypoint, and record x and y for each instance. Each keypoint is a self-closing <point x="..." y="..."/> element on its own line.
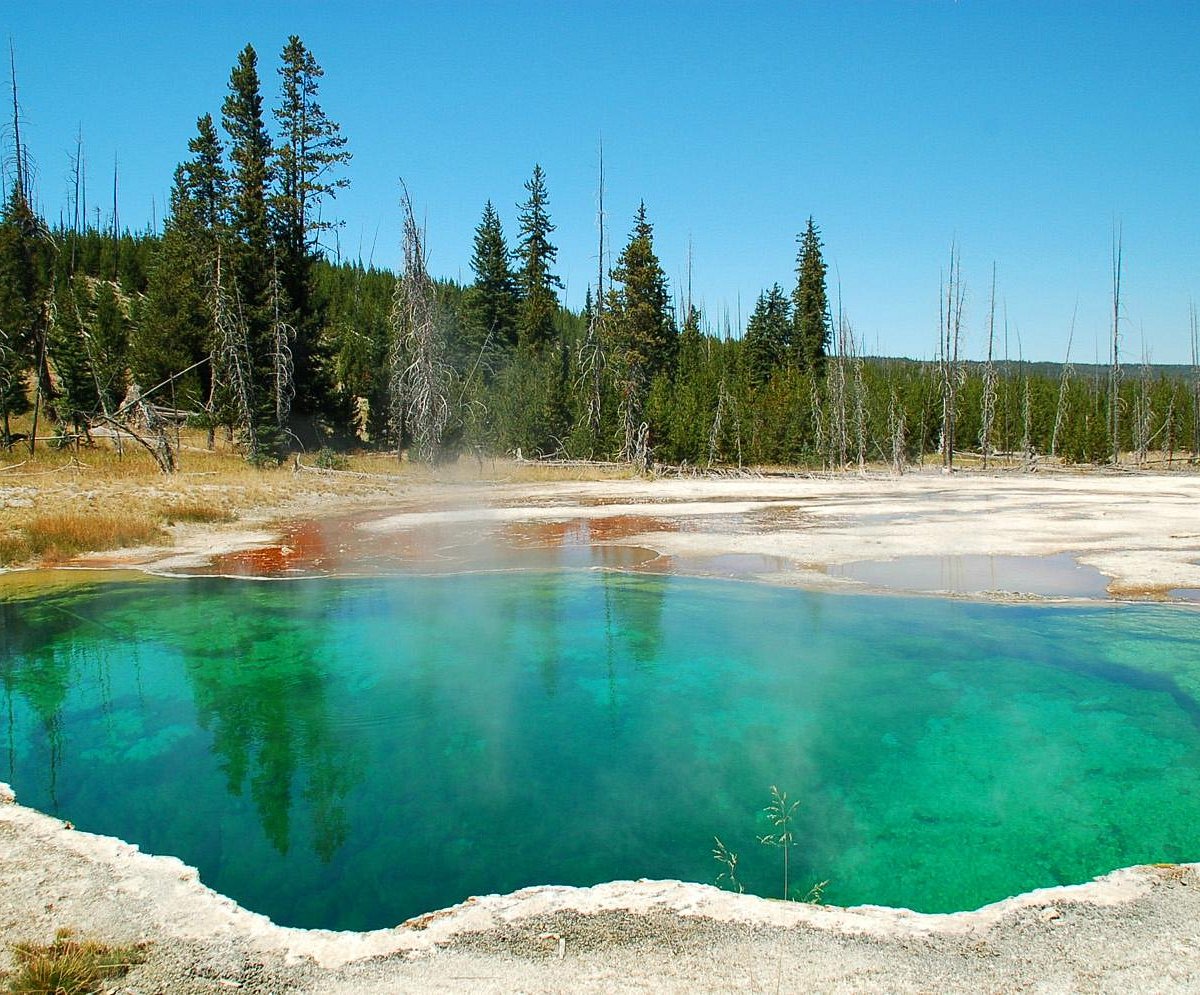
<point x="349" y="753"/>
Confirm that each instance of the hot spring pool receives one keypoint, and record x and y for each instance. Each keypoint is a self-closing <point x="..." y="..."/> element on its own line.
<point x="350" y="753"/>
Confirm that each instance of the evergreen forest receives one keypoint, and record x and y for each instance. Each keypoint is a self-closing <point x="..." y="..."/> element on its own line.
<point x="233" y="319"/>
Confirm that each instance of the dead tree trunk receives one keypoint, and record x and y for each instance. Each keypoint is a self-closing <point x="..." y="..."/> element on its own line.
<point x="1195" y="387"/>
<point x="896" y="429"/>
<point x="591" y="350"/>
<point x="714" y="433"/>
<point x="1169" y="430"/>
<point x="632" y="391"/>
<point x="860" y="397"/>
<point x="233" y="352"/>
<point x="283" y="367"/>
<point x="1114" y="379"/>
<point x="1142" y="414"/>
<point x="835" y="396"/>
<point x="988" y="415"/>
<point x="951" y="309"/>
<point x="590" y="382"/>
<point x="420" y="374"/>
<point x="818" y="418"/>
<point x="1027" y="460"/>
<point x="1060" y="411"/>
<point x="77" y="174"/>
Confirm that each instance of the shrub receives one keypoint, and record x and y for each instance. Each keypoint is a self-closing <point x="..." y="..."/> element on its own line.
<point x="327" y="459"/>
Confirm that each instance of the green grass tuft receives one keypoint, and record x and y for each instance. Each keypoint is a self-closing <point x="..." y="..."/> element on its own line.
<point x="69" y="966"/>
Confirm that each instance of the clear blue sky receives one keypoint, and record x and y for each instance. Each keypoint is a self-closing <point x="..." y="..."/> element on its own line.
<point x="1022" y="130"/>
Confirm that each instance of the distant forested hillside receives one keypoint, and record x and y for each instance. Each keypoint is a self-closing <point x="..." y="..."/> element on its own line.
<point x="234" y="317"/>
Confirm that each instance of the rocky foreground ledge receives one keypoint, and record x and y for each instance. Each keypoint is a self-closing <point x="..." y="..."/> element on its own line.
<point x="1136" y="929"/>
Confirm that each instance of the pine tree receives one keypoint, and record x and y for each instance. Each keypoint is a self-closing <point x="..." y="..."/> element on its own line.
<point x="642" y="326"/>
<point x="491" y="301"/>
<point x="556" y="399"/>
<point x="695" y="393"/>
<point x="174" y="330"/>
<point x="14" y="395"/>
<point x="78" y="398"/>
<point x="810" y="304"/>
<point x="201" y="215"/>
<point x="205" y="181"/>
<point x="251" y="255"/>
<point x="644" y="341"/>
<point x="108" y="335"/>
<point x="536" y="283"/>
<point x="691" y="347"/>
<point x="588" y="314"/>
<point x="768" y="334"/>
<point x="311" y="149"/>
<point x="26" y="260"/>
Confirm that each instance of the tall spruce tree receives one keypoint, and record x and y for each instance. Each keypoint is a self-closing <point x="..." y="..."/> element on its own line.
<point x="640" y="320"/>
<point x="644" y="344"/>
<point x="768" y="335"/>
<point x="252" y="253"/>
<point x="205" y="180"/>
<point x="174" y="330"/>
<point x="491" y="301"/>
<point x="310" y="150"/>
<point x="810" y="303"/>
<point x="535" y="281"/>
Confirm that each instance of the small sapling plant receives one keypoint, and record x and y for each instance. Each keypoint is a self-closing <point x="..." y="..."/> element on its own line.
<point x="780" y="813"/>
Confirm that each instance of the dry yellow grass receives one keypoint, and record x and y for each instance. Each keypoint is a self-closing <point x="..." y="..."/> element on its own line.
<point x="61" y="535"/>
<point x="196" y="510"/>
<point x="56" y="504"/>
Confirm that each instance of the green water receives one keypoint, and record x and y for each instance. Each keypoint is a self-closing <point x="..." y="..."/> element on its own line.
<point x="347" y="754"/>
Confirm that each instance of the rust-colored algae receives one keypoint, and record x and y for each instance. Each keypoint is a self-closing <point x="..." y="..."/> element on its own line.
<point x="303" y="548"/>
<point x="584" y="531"/>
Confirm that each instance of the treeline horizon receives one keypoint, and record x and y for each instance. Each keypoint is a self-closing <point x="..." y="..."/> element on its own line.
<point x="235" y="317"/>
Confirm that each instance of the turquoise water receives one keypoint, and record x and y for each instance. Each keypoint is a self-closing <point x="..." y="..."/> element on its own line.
<point x="349" y="753"/>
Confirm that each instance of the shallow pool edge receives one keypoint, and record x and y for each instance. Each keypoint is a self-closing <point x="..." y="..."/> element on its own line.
<point x="176" y="904"/>
<point x="21" y="582"/>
